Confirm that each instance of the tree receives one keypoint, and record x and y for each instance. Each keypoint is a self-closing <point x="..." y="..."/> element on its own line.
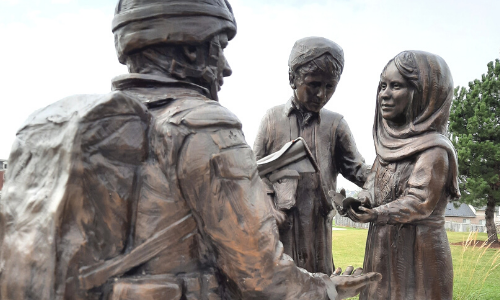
<point x="475" y="133"/>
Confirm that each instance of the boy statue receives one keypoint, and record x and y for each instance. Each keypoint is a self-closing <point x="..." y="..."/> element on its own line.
<point x="315" y="66"/>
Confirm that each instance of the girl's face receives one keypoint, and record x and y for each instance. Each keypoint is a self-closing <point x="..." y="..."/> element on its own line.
<point x="395" y="95"/>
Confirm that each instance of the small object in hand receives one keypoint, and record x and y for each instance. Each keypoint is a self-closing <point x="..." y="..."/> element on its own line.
<point x="338" y="198"/>
<point x="355" y="204"/>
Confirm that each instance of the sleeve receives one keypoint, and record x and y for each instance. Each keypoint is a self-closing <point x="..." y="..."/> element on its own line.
<point x="349" y="161"/>
<point x="260" y="145"/>
<point x="368" y="190"/>
<point x="425" y="188"/>
<point x="218" y="176"/>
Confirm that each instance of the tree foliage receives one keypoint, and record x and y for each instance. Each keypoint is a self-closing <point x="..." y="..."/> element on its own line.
<point x="475" y="133"/>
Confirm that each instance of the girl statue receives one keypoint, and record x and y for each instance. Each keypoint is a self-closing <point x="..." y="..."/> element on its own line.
<point x="412" y="179"/>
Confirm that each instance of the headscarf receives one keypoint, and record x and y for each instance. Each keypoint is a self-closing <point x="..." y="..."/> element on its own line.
<point x="428" y="114"/>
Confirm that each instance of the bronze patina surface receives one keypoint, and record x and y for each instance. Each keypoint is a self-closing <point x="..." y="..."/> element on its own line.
<point x="413" y="178"/>
<point x="149" y="192"/>
<point x="315" y="66"/>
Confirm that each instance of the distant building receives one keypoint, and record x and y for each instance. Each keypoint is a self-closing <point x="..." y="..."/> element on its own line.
<point x="497" y="216"/>
<point x="463" y="214"/>
<point x="468" y="214"/>
<point x="481" y="215"/>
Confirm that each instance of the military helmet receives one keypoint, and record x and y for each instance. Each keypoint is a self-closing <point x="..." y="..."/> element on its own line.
<point x="142" y="23"/>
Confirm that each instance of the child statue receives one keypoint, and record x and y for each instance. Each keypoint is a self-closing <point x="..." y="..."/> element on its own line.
<point x="413" y="178"/>
<point x="315" y="66"/>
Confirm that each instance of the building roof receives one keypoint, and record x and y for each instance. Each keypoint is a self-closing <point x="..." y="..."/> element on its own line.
<point x="462" y="211"/>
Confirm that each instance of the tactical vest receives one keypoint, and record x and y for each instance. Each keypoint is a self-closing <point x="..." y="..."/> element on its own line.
<point x="92" y="179"/>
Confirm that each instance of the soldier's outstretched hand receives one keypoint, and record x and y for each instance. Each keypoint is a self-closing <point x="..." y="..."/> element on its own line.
<point x="351" y="282"/>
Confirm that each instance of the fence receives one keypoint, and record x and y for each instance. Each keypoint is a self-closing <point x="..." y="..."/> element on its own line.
<point x="346" y="222"/>
<point x="450" y="226"/>
<point x="463" y="227"/>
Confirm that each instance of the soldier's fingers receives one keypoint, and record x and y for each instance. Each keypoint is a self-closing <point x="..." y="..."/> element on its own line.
<point x="348" y="270"/>
<point x="405" y="211"/>
<point x="350" y="286"/>
<point x="355" y="282"/>
<point x="357" y="272"/>
<point x="338" y="271"/>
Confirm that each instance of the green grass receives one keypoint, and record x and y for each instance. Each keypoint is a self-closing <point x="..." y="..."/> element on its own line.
<point x="471" y="264"/>
<point x="476" y="268"/>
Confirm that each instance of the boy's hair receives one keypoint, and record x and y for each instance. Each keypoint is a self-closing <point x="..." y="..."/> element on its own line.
<point x="325" y="63"/>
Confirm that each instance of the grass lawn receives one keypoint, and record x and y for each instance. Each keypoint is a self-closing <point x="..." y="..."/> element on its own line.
<point x="470" y="264"/>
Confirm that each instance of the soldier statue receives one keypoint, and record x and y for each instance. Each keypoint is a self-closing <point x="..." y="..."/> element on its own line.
<point x="149" y="192"/>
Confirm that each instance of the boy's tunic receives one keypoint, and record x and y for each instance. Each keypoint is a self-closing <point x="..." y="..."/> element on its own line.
<point x="306" y="233"/>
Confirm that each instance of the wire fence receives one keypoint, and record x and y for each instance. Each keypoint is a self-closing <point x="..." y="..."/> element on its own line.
<point x="450" y="226"/>
<point x="346" y="222"/>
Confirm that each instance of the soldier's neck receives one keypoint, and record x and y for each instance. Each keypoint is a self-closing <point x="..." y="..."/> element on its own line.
<point x="154" y="88"/>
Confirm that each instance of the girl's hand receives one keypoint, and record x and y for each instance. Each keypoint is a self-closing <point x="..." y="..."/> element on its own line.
<point x="368" y="215"/>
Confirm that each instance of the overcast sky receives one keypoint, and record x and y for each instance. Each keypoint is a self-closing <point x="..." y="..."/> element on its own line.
<point x="51" y="49"/>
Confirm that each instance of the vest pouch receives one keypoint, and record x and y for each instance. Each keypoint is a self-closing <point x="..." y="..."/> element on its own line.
<point x="190" y="286"/>
<point x="146" y="288"/>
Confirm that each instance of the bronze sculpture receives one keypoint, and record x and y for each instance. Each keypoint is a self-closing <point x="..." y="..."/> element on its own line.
<point x="413" y="178"/>
<point x="315" y="66"/>
<point x="149" y="192"/>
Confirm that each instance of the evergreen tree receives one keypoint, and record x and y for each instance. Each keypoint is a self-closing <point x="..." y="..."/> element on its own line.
<point x="475" y="133"/>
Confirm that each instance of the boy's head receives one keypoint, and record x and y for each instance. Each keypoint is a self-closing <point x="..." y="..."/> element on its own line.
<point x="315" y="66"/>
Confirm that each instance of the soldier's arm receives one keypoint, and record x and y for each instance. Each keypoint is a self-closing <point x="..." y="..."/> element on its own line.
<point x="218" y="176"/>
<point x="350" y="162"/>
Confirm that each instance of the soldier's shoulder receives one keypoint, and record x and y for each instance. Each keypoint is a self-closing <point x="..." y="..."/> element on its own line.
<point x="86" y="107"/>
<point x="209" y="114"/>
